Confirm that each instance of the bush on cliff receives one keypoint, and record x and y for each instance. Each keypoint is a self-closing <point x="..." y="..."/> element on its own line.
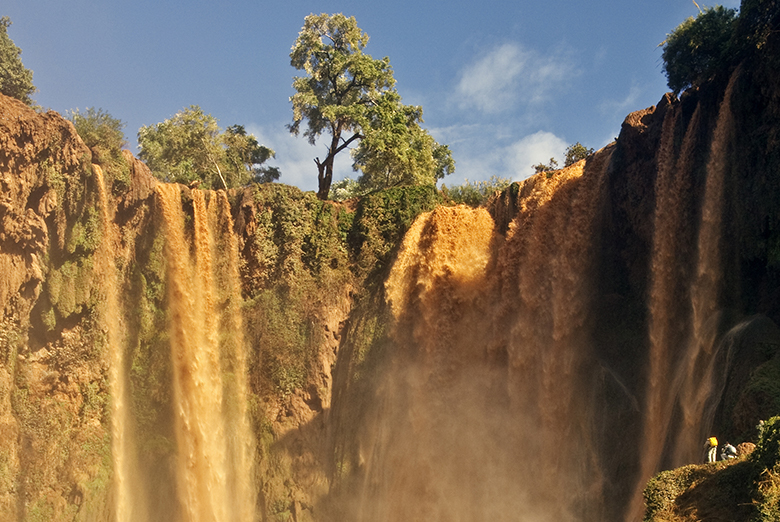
<point x="475" y="193"/>
<point x="190" y="148"/>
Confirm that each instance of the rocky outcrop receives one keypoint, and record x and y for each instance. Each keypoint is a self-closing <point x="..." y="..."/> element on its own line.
<point x="37" y="154"/>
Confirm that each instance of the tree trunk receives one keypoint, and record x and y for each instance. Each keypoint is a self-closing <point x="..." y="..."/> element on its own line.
<point x="325" y="174"/>
<point x="325" y="177"/>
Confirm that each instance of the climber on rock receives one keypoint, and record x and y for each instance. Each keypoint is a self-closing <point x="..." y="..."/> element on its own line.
<point x="712" y="453"/>
<point x="728" y="452"/>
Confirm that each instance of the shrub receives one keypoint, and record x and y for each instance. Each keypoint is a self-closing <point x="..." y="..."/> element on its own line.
<point x="104" y="136"/>
<point x="575" y="153"/>
<point x="477" y="192"/>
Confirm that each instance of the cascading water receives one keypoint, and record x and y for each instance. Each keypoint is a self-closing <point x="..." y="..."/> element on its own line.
<point x="702" y="375"/>
<point x="483" y="415"/>
<point x="682" y="371"/>
<point x="129" y="505"/>
<point x="240" y="445"/>
<point x="493" y="402"/>
<point x="213" y="465"/>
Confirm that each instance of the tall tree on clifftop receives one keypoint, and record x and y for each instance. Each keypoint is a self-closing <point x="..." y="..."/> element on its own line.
<point x="15" y="79"/>
<point x="351" y="96"/>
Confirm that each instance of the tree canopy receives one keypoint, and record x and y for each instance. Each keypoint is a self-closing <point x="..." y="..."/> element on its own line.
<point x="697" y="49"/>
<point x="351" y="96"/>
<point x="191" y="148"/>
<point x="396" y="151"/>
<point x="15" y="79"/>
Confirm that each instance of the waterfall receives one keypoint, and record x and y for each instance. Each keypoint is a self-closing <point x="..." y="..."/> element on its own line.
<point x="546" y="275"/>
<point x="484" y="414"/>
<point x="664" y="315"/>
<point x="429" y="452"/>
<point x="702" y="377"/>
<point x="682" y="371"/>
<point x="211" y="434"/>
<point x="240" y="442"/>
<point x="129" y="505"/>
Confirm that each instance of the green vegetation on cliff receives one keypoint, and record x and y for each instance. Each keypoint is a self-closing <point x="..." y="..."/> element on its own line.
<point x="15" y="78"/>
<point x="710" y="46"/>
<point x="742" y="490"/>
<point x="103" y="134"/>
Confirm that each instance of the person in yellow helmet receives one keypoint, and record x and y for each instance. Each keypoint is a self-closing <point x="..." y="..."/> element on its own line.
<point x="712" y="453"/>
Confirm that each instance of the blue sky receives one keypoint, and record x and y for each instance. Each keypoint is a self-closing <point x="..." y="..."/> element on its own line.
<point x="505" y="84"/>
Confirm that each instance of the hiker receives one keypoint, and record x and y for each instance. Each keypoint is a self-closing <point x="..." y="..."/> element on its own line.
<point x="728" y="452"/>
<point x="712" y="454"/>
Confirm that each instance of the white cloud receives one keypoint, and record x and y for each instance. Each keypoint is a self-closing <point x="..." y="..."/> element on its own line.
<point x="489" y="83"/>
<point x="509" y="73"/>
<point x="491" y="154"/>
<point x="531" y="150"/>
<point x="611" y="108"/>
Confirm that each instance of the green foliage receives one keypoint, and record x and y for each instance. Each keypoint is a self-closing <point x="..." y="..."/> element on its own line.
<point x="69" y="287"/>
<point x="575" y="153"/>
<point x="762" y="391"/>
<point x="549" y="167"/>
<point x="244" y="155"/>
<point x="347" y="92"/>
<point x="756" y="21"/>
<point x="191" y="148"/>
<point x="298" y="238"/>
<point x="15" y="79"/>
<point x="100" y="131"/>
<point x="285" y="326"/>
<point x="699" y="48"/>
<point x="396" y="151"/>
<point x="475" y="193"/>
<point x="104" y="136"/>
<point x="382" y="219"/>
<point x="719" y="491"/>
<point x="297" y="260"/>
<point x="767" y="452"/>
<point x="766" y="458"/>
<point x="664" y="488"/>
<point x="340" y="86"/>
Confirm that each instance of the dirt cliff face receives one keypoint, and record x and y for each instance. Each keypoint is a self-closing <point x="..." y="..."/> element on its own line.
<point x="52" y="402"/>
